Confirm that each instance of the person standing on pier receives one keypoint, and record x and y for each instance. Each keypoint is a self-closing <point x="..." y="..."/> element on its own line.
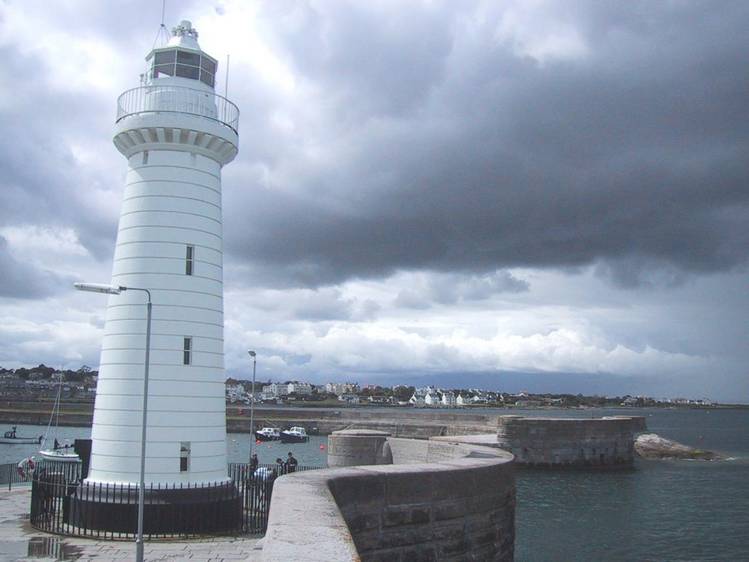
<point x="291" y="463"/>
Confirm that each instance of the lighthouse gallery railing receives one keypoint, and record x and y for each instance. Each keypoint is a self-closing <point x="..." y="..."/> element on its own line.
<point x="178" y="99"/>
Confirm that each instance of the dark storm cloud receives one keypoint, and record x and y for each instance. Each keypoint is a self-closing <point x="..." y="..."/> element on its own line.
<point x="42" y="182"/>
<point x="447" y="150"/>
<point x="423" y="139"/>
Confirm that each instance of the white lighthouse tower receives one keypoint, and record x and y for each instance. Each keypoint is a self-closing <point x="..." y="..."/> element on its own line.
<point x="176" y="134"/>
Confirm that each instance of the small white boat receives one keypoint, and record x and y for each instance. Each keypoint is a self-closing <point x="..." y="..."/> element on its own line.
<point x="268" y="434"/>
<point x="10" y="438"/>
<point x="294" y="435"/>
<point x="61" y="454"/>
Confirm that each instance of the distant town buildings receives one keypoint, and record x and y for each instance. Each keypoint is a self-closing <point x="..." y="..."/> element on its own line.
<point x="44" y="382"/>
<point x="339" y="388"/>
<point x="296" y="387"/>
<point x="349" y="398"/>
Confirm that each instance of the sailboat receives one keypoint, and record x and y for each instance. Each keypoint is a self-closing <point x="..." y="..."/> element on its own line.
<point x="58" y="452"/>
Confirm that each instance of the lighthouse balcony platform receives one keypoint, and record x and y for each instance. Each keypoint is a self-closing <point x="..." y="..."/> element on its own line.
<point x="176" y="117"/>
<point x="178" y="99"/>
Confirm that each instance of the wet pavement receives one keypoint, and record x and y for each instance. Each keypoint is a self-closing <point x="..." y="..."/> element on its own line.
<point x="20" y="541"/>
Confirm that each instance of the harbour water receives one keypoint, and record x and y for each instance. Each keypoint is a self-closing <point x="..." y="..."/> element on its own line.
<point x="659" y="511"/>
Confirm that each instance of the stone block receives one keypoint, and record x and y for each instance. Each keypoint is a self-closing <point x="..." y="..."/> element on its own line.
<point x="405" y="535"/>
<point x="453" y="548"/>
<point x="368" y="541"/>
<point x="420" y="515"/>
<point x="483" y="539"/>
<point x="396" y="516"/>
<point x="409" y="487"/>
<point x="423" y="553"/>
<point x="363" y="489"/>
<point x="451" y="529"/>
<point x="358" y="521"/>
<point x="449" y="510"/>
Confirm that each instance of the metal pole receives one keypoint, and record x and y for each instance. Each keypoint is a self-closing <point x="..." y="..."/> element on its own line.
<point x="226" y="84"/>
<point x="142" y="485"/>
<point x="252" y="404"/>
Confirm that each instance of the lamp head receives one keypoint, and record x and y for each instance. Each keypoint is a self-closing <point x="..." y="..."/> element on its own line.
<point x="99" y="288"/>
<point x="252" y="354"/>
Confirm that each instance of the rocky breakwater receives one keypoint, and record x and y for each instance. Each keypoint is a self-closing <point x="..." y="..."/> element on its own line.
<point x="570" y="442"/>
<point x="653" y="446"/>
<point x="437" y="501"/>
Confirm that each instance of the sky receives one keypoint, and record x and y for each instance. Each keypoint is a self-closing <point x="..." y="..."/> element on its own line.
<point x="519" y="194"/>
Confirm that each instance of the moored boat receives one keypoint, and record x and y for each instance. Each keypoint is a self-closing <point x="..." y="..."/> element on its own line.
<point x="57" y="453"/>
<point x="10" y="438"/>
<point x="62" y="454"/>
<point x="294" y="435"/>
<point x="268" y="434"/>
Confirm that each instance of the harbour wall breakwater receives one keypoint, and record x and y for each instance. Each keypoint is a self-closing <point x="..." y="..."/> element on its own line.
<point x="564" y="442"/>
<point x="407" y="422"/>
<point x="419" y="424"/>
<point x="415" y="500"/>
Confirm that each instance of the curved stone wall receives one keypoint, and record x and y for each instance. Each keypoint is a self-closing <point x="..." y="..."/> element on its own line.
<point x="357" y="447"/>
<point x="573" y="442"/>
<point x="439" y="501"/>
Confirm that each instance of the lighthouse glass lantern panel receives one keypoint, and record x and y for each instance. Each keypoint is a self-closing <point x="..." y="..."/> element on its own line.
<point x="184" y="64"/>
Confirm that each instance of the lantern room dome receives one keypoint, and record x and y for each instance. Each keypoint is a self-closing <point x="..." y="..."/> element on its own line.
<point x="184" y="35"/>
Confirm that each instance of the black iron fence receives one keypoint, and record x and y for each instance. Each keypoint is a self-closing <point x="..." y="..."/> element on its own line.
<point x="63" y="503"/>
<point x="10" y="476"/>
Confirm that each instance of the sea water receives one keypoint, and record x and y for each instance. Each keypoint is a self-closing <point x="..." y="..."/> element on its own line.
<point x="659" y="510"/>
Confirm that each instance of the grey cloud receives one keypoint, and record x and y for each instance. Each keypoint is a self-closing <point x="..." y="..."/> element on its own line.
<point x="366" y="311"/>
<point x="450" y="289"/>
<point x="408" y="298"/>
<point x="633" y="157"/>
<point x="319" y="306"/>
<point x="20" y="280"/>
<point x="42" y="183"/>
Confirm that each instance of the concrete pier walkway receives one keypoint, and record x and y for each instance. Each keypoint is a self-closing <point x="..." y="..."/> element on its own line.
<point x="20" y="541"/>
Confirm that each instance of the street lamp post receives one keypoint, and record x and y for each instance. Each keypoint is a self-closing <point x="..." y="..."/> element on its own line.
<point x="116" y="290"/>
<point x="252" y="403"/>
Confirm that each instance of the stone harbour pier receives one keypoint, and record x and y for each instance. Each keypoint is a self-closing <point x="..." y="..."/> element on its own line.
<point x="396" y="499"/>
<point x="448" y="497"/>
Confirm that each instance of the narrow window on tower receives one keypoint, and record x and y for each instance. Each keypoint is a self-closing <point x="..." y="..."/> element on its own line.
<point x="187" y="352"/>
<point x="189" y="258"/>
<point x="145" y="157"/>
<point x="184" y="456"/>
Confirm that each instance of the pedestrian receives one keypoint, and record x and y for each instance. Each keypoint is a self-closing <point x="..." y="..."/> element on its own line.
<point x="280" y="467"/>
<point x="291" y="463"/>
<point x="253" y="463"/>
